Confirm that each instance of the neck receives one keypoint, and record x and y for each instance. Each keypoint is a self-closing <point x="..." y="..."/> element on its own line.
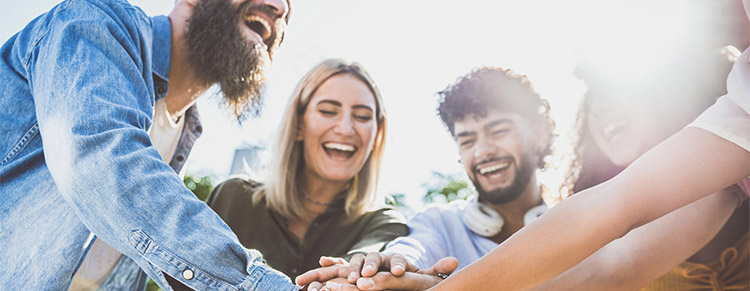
<point x="319" y="190"/>
<point x="513" y="212"/>
<point x="184" y="87"/>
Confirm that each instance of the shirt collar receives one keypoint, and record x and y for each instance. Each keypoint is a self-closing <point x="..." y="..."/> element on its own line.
<point x="162" y="41"/>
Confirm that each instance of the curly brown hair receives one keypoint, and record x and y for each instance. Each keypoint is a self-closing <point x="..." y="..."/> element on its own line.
<point x="496" y="88"/>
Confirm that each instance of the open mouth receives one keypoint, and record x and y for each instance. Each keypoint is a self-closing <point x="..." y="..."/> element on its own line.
<point x="492" y="168"/>
<point x="339" y="150"/>
<point x="612" y="129"/>
<point x="259" y="25"/>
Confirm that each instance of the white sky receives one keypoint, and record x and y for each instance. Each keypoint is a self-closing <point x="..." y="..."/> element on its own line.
<point x="412" y="49"/>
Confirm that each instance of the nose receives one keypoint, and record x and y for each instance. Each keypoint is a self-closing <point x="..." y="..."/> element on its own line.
<point x="344" y="126"/>
<point x="484" y="150"/>
<point x="280" y="7"/>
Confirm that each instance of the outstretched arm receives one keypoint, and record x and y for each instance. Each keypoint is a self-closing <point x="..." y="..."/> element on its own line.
<point x="682" y="169"/>
<point x="648" y="252"/>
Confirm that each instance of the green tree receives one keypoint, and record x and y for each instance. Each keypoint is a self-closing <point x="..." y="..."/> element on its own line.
<point x="445" y="188"/>
<point x="201" y="186"/>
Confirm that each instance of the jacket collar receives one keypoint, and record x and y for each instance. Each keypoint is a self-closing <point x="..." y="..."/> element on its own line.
<point x="162" y="41"/>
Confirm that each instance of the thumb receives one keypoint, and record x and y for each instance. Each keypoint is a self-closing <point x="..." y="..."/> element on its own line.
<point x="444" y="266"/>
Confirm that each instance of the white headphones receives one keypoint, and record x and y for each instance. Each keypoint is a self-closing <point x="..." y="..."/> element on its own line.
<point x="485" y="221"/>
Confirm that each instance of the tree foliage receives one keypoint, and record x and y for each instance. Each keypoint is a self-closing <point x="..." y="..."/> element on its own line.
<point x="445" y="188"/>
<point x="201" y="186"/>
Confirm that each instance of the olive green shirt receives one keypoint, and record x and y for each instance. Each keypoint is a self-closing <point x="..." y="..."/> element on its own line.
<point x="261" y="228"/>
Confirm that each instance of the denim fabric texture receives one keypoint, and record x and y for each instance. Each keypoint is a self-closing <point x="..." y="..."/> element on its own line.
<point x="80" y="82"/>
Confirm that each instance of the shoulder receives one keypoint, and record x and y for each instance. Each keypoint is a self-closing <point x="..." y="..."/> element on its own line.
<point x="454" y="208"/>
<point x="234" y="191"/>
<point x="384" y="214"/>
<point x="90" y="18"/>
<point x="440" y="215"/>
<point x="107" y="11"/>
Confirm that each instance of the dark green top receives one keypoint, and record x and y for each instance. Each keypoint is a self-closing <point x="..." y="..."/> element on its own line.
<point x="261" y="228"/>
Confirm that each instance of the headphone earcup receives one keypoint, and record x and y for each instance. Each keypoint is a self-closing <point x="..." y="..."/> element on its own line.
<point x="482" y="219"/>
<point x="534" y="213"/>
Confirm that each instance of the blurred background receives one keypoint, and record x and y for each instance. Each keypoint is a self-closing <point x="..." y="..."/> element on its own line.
<point x="414" y="49"/>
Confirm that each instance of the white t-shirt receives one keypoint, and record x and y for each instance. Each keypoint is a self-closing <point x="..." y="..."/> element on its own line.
<point x="165" y="133"/>
<point x="729" y="118"/>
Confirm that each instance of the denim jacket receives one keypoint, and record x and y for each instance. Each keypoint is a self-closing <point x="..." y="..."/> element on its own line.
<point x="79" y="86"/>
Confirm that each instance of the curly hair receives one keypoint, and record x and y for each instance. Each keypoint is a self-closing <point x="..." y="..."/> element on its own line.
<point x="495" y="88"/>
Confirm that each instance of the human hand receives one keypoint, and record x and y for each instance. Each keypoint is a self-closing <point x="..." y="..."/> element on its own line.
<point x="419" y="280"/>
<point x="358" y="266"/>
<point x="331" y="268"/>
<point x="416" y="280"/>
<point x="337" y="284"/>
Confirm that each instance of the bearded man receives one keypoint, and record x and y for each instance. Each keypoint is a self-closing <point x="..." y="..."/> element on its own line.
<point x="97" y="116"/>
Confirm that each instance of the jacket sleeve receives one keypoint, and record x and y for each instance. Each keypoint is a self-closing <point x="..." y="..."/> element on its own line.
<point x="425" y="244"/>
<point x="94" y="100"/>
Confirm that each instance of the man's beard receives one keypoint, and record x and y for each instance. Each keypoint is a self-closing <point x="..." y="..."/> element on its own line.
<point x="504" y="195"/>
<point x="220" y="53"/>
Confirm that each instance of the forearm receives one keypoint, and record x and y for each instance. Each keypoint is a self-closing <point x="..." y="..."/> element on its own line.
<point x="93" y="127"/>
<point x="668" y="177"/>
<point x="519" y="264"/>
<point x="646" y="253"/>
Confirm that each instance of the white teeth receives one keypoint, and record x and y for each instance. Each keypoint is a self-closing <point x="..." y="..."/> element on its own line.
<point x="266" y="26"/>
<point x="339" y="147"/>
<point x="494" y="167"/>
<point x="612" y="129"/>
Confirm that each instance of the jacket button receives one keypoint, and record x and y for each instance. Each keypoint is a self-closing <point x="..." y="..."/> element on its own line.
<point x="160" y="90"/>
<point x="294" y="271"/>
<point x="180" y="158"/>
<point x="187" y="274"/>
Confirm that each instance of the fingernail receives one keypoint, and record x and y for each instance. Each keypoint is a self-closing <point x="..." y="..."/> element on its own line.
<point x="333" y="285"/>
<point x="352" y="276"/>
<point x="368" y="268"/>
<point x="398" y="268"/>
<point x="313" y="289"/>
<point x="365" y="282"/>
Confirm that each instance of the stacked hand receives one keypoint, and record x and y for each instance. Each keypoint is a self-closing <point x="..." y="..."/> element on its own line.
<point x="374" y="272"/>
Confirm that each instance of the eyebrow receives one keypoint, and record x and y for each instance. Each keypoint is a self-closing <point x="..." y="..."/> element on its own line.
<point x="336" y="103"/>
<point x="496" y="123"/>
<point x="332" y="102"/>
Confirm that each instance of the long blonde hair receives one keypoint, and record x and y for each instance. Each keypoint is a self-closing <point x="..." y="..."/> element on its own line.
<point x="281" y="189"/>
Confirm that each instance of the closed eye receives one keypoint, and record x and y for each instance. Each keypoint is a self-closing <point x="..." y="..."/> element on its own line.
<point x="363" y="117"/>
<point x="466" y="142"/>
<point x="500" y="132"/>
<point x="327" y="112"/>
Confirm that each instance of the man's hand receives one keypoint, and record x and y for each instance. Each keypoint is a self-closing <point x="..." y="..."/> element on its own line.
<point x="331" y="268"/>
<point x="419" y="280"/>
<point x="358" y="266"/>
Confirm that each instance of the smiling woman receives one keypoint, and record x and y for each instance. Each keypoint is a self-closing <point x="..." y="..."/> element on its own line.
<point x="319" y="197"/>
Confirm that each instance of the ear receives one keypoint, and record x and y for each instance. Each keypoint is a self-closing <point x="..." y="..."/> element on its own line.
<point x="543" y="136"/>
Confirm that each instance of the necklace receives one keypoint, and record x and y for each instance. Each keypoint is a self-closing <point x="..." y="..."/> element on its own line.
<point x="316" y="201"/>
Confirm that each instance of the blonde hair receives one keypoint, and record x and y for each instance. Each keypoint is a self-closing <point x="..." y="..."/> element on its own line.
<point x="281" y="189"/>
